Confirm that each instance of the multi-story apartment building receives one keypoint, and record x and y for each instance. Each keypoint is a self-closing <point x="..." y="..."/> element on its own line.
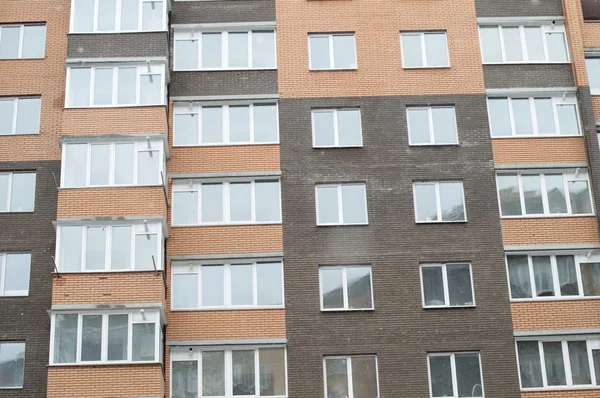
<point x="299" y="198"/>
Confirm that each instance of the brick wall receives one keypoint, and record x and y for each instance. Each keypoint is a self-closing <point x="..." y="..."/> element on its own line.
<point x="126" y="120"/>
<point x="548" y="150"/>
<point x="556" y="315"/>
<point x="562" y="394"/>
<point x="549" y="231"/>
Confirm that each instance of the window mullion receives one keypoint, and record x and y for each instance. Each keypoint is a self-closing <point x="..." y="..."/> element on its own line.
<point x="79" y="345"/>
<point x="104" y="339"/>
<point x="2" y="274"/>
<point x="9" y="192"/>
<point x="132" y="251"/>
<point x="531" y="276"/>
<point x="115" y="86"/>
<point x="555" y="282"/>
<point x="96" y="16"/>
<point x="255" y="283"/>
<point x="544" y="189"/>
<point x="423" y="50"/>
<point x="225" y="123"/>
<point x="14" y="115"/>
<point x="524" y="44"/>
<point x="511" y="114"/>
<point x="567" y="193"/>
<point x="228" y="373"/>
<point x="256" y="372"/>
<point x="579" y="277"/>
<point x="227" y="284"/>
<point x="112" y="163"/>
<point x="92" y="81"/>
<point x="345" y="287"/>
<point x="199" y="40"/>
<point x="555" y="115"/>
<point x="543" y="363"/>
<point x="438" y="201"/>
<point x="350" y="383"/>
<point x="533" y="113"/>
<point x="250" y="65"/>
<point x="545" y="44"/>
<point x="21" y="40"/>
<point x="84" y="247"/>
<point x="588" y="346"/>
<point x="108" y="248"/>
<point x="140" y="15"/>
<point x="331" y="57"/>
<point x="225" y="50"/>
<point x="118" y="5"/>
<point x="522" y="194"/>
<point x="445" y="285"/>
<point x="251" y="121"/>
<point x="138" y="83"/>
<point x="502" y="46"/>
<point x="453" y="373"/>
<point x="199" y="378"/>
<point x="567" y="362"/>
<point x="336" y="131"/>
<point x="136" y="149"/>
<point x="431" y="128"/>
<point x="340" y="205"/>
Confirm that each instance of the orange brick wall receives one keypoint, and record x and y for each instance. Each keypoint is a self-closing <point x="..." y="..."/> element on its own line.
<point x="596" y="105"/>
<point x="126" y="120"/>
<point x="595" y="393"/>
<point x="224" y="159"/>
<point x="556" y="315"/>
<point x="547" y="231"/>
<point x="591" y="34"/>
<point x="575" y="33"/>
<point x="539" y="150"/>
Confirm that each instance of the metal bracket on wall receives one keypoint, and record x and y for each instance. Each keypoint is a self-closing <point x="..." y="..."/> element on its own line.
<point x="56" y="181"/>
<point x="162" y="178"/>
<point x="56" y="273"/>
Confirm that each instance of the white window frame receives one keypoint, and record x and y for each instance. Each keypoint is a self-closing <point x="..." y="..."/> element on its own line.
<point x="429" y="110"/>
<point x="152" y="316"/>
<point x="118" y="9"/>
<point x="345" y="287"/>
<point x="196" y="35"/>
<point x="153" y="145"/>
<point x="9" y="191"/>
<point x="593" y="90"/>
<point x="195" y="354"/>
<point x="331" y="57"/>
<point x="142" y="70"/>
<point x="421" y="35"/>
<point x="568" y="176"/>
<point x="547" y="28"/>
<point x="592" y="343"/>
<point x="3" y="263"/>
<point x="438" y="201"/>
<point x="335" y="127"/>
<point x="150" y="228"/>
<point x="195" y="268"/>
<point x="445" y="284"/>
<point x="348" y="359"/>
<point x="15" y="101"/>
<point x="556" y="102"/>
<point x="340" y="202"/>
<point x="21" y="36"/>
<point x="196" y="109"/>
<point x="453" y="370"/>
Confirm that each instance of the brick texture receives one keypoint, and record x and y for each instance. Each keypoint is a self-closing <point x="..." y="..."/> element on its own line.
<point x="127" y="120"/>
<point x="518" y="8"/>
<point x="595" y="393"/>
<point x="146" y="44"/>
<point x="215" y="83"/>
<point x="532" y="75"/>
<point x="224" y="158"/>
<point x="556" y="315"/>
<point x="189" y="12"/>
<point x="549" y="231"/>
<point x="548" y="150"/>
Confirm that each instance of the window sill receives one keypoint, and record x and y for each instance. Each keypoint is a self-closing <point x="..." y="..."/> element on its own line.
<point x="58" y="365"/>
<point x="111" y="187"/>
<point x="66" y="108"/>
<point x="425" y="67"/>
<point x="340" y="310"/>
<point x="546" y="216"/>
<point x="255" y="308"/>
<point x="17" y="212"/>
<point x="22" y="59"/>
<point x="113" y="32"/>
<point x="224" y="224"/>
<point x="528" y="63"/>
<point x="19" y="135"/>
<point x="554" y="298"/>
<point x="434" y="145"/>
<point x="534" y="136"/>
<point x="339" y="147"/>
<point x="100" y="272"/>
<point x="441" y="222"/>
<point x="225" y="69"/>
<point x="448" y="307"/>
<point x="11" y="388"/>
<point x="559" y="388"/>
<point x="218" y="145"/>
<point x="334" y="70"/>
<point x="343" y="225"/>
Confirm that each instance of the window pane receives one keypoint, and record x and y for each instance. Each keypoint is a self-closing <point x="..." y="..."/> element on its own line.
<point x="185" y="291"/>
<point x="65" y="338"/>
<point x="211" y="50"/>
<point x="544" y="116"/>
<point x="359" y="287"/>
<point x="580" y="365"/>
<point x="590" y="279"/>
<point x="7" y="112"/>
<point x="75" y="165"/>
<point x="532" y="192"/>
<point x="263" y="50"/>
<point x="529" y="364"/>
<point x="344" y="54"/>
<point x="364" y="376"/>
<point x="103" y="83"/>
<point x="468" y="375"/>
<point x="433" y="285"/>
<point x="557" y="48"/>
<point x="535" y="43"/>
<point x="512" y="44"/>
<point x="28" y="116"/>
<point x="238" y="49"/>
<point x="185" y="208"/>
<point x="126" y="91"/>
<point x="567" y="275"/>
<point x="323" y="128"/>
<point x="593" y="71"/>
<point x="436" y="49"/>
<point x="579" y="194"/>
<point x="129" y="14"/>
<point x="121" y="248"/>
<point x="242" y="291"/>
<point x="143" y="341"/>
<point x="319" y="53"/>
<point x="240" y="201"/>
<point x="267" y="201"/>
<point x="243" y="372"/>
<point x="332" y="288"/>
<point x="4" y="192"/>
<point x="186" y="129"/>
<point x="95" y="256"/>
<point x="499" y="117"/>
<point x="337" y="378"/>
<point x="212" y="124"/>
<point x="426" y="202"/>
<point x="265" y="123"/>
<point x="22" y="196"/>
<point x="542" y="272"/>
<point x="124" y="163"/>
<point x="349" y="129"/>
<point x="213" y="373"/>
<point x="9" y="45"/>
<point x="91" y="337"/>
<point x="152" y="15"/>
<point x="12" y="365"/>
<point x="269" y="283"/>
<point x="459" y="284"/>
<point x="272" y="371"/>
<point x="150" y="92"/>
<point x="148" y="169"/>
<point x="522" y="116"/>
<point x="16" y="277"/>
<point x="596" y="356"/>
<point x="444" y="125"/>
<point x="490" y="44"/>
<point x="83" y="20"/>
<point x="186" y="54"/>
<point x="239" y="123"/>
<point x="70" y="248"/>
<point x="212" y="203"/>
<point x="185" y="379"/>
<point x="440" y="376"/>
<point x="412" y="55"/>
<point x="510" y="201"/>
<point x="556" y="193"/>
<point x="107" y="10"/>
<point x="79" y="86"/>
<point x="34" y="41"/>
<point x="452" y="205"/>
<point x="520" y="282"/>
<point x="555" y="367"/>
<point x="567" y="119"/>
<point x="146" y="252"/>
<point x="99" y="168"/>
<point x="418" y="126"/>
<point x="354" y="205"/>
<point x="213" y="286"/>
<point x="327" y="205"/>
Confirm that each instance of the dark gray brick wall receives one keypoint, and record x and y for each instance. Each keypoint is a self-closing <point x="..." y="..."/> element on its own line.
<point x="247" y="82"/>
<point x="187" y="12"/>
<point x="149" y="44"/>
<point x="25" y="318"/>
<point x="518" y="8"/>
<point x="531" y="75"/>
<point x="399" y="330"/>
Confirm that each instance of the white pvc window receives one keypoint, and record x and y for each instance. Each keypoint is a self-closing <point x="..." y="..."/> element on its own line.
<point x="351" y="376"/>
<point x="424" y="50"/>
<point x="226" y="202"/>
<point x="433" y="125"/>
<point x="12" y="364"/>
<point x="347" y="287"/>
<point x="332" y="51"/>
<point x="14" y="274"/>
<point x="447" y="285"/>
<point x="107" y="16"/>
<point x="593" y="71"/>
<point x="439" y="202"/>
<point x="22" y="41"/>
<point x="20" y="115"/>
<point x="109" y="248"/>
<point x="254" y="123"/>
<point x="524" y="44"/>
<point x="533" y="116"/>
<point x="105" y="337"/>
<point x="115" y="86"/>
<point x="137" y="163"/>
<point x="229" y="50"/>
<point x="341" y="204"/>
<point x="455" y="375"/>
<point x="227" y="285"/>
<point x="333" y="128"/>
<point x="17" y="192"/>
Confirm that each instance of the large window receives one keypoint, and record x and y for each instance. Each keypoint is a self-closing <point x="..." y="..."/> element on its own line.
<point x="108" y="248"/>
<point x="533" y="116"/>
<point x="553" y="276"/>
<point x="247" y="372"/>
<point x="12" y="364"/>
<point x="226" y="202"/>
<point x="341" y="204"/>
<point x="524" y="44"/>
<point x="424" y="50"/>
<point x="347" y="287"/>
<point x="17" y="192"/>
<point x="336" y="128"/>
<point x="227" y="285"/>
<point x="558" y="363"/>
<point x="551" y="193"/>
<point x="433" y="125"/>
<point x="351" y="376"/>
<point x="593" y="71"/>
<point x="101" y="338"/>
<point x="447" y="285"/>
<point x="245" y="49"/>
<point x="20" y="115"/>
<point x="105" y="16"/>
<point x="455" y="375"/>
<point x="113" y="86"/>
<point x="14" y="274"/>
<point x="332" y="51"/>
<point x="112" y="164"/>
<point x="22" y="41"/>
<point x="439" y="202"/>
<point x="239" y="124"/>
